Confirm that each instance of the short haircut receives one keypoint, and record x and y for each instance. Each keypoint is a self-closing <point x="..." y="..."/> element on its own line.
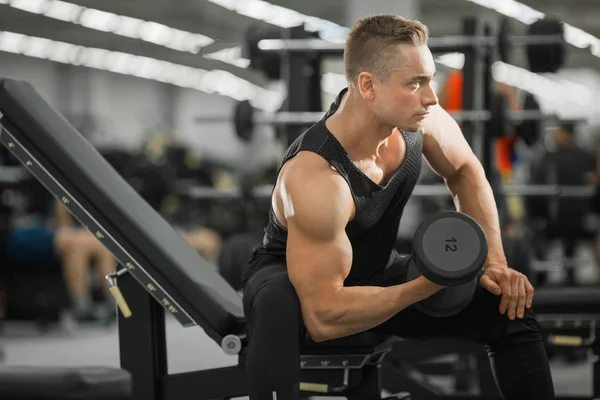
<point x="369" y="46"/>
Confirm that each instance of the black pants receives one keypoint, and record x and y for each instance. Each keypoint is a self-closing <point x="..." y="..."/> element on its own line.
<point x="276" y="331"/>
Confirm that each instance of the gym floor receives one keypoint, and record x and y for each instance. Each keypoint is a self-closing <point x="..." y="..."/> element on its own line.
<point x="189" y="349"/>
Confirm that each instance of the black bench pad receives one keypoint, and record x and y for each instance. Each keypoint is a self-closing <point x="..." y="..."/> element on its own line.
<point x="53" y="383"/>
<point x="567" y="300"/>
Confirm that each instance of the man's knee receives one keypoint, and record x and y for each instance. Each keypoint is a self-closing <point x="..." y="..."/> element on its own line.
<point x="516" y="331"/>
<point x="276" y="297"/>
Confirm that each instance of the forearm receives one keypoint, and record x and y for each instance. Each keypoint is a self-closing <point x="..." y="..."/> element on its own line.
<point x="359" y="308"/>
<point x="473" y="196"/>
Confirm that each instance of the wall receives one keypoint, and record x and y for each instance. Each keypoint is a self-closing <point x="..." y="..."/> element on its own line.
<point x="42" y="74"/>
<point x="217" y="139"/>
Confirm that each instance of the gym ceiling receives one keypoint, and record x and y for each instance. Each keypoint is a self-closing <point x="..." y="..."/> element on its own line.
<point x="227" y="27"/>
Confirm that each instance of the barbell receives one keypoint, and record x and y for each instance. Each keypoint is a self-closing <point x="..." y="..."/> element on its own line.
<point x="524" y="124"/>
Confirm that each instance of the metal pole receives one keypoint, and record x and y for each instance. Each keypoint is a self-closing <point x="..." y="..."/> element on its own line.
<point x="439" y="190"/>
<point x="468" y="88"/>
<point x="301" y="118"/>
<point x="437" y="44"/>
<point x="480" y="139"/>
<point x="484" y="94"/>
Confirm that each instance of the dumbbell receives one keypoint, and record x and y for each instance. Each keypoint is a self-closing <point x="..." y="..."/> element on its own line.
<point x="449" y="249"/>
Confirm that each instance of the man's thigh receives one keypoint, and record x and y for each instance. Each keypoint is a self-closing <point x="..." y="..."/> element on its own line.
<point x="479" y="322"/>
<point x="271" y="303"/>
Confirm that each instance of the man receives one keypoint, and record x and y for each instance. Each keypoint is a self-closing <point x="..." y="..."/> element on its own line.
<point x="568" y="164"/>
<point x="572" y="164"/>
<point x="327" y="268"/>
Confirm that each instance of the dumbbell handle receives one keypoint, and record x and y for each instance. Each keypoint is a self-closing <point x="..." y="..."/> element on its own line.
<point x="445" y="302"/>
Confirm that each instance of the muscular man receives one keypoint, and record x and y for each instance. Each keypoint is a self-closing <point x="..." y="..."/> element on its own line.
<point x="327" y="268"/>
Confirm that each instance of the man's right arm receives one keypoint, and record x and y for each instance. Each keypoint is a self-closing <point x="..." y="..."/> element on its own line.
<point x="319" y="257"/>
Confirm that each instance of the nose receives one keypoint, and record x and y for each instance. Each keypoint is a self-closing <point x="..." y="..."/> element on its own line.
<point x="430" y="99"/>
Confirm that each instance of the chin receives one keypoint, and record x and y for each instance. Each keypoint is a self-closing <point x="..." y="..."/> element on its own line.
<point x="411" y="128"/>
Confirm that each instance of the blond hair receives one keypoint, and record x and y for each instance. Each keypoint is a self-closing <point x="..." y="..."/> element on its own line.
<point x="369" y="46"/>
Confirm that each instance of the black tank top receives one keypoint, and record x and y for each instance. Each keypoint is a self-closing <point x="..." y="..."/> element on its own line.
<point x="374" y="229"/>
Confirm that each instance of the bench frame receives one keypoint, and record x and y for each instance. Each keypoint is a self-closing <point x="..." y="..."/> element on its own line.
<point x="143" y="350"/>
<point x="142" y="344"/>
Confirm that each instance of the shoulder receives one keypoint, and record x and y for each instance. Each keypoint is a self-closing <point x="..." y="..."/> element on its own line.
<point x="308" y="170"/>
<point x="312" y="191"/>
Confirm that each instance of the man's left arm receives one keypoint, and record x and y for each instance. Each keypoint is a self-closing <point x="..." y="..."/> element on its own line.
<point x="450" y="156"/>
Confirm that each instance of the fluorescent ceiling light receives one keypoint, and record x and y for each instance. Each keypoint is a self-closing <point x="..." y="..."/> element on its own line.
<point x="215" y="81"/>
<point x="574" y="36"/>
<point x="231" y="55"/>
<point x="122" y="25"/>
<point x="452" y="60"/>
<point x="284" y="17"/>
<point x="542" y="86"/>
<point x="512" y="9"/>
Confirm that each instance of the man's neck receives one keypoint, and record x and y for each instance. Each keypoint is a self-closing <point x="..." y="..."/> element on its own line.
<point x="357" y="129"/>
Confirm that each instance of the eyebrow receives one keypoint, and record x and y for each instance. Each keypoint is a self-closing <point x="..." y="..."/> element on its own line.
<point x="422" y="76"/>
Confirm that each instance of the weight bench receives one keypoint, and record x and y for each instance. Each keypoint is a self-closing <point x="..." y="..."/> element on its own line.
<point x="160" y="272"/>
<point x="569" y="318"/>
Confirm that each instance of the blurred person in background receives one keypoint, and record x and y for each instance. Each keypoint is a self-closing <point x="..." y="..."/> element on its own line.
<point x="57" y="240"/>
<point x="568" y="164"/>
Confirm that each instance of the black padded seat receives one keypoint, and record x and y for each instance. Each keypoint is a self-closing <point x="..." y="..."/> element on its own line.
<point x="59" y="383"/>
<point x="567" y="300"/>
<point x="358" y="342"/>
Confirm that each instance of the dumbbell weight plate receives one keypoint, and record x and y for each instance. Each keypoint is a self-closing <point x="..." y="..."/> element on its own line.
<point x="448" y="301"/>
<point x="449" y="249"/>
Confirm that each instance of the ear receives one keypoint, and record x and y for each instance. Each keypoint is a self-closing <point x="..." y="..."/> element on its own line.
<point x="366" y="85"/>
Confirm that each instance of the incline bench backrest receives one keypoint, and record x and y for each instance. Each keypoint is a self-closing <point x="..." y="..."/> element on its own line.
<point x="163" y="255"/>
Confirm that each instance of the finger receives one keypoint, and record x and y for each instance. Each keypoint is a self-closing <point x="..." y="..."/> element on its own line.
<point x="529" y="288"/>
<point x="504" y="282"/>
<point x="514" y="294"/>
<point x="489" y="285"/>
<point x="522" y="298"/>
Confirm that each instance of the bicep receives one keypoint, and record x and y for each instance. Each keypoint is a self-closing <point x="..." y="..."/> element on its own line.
<point x="319" y="253"/>
<point x="317" y="265"/>
<point x="444" y="146"/>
